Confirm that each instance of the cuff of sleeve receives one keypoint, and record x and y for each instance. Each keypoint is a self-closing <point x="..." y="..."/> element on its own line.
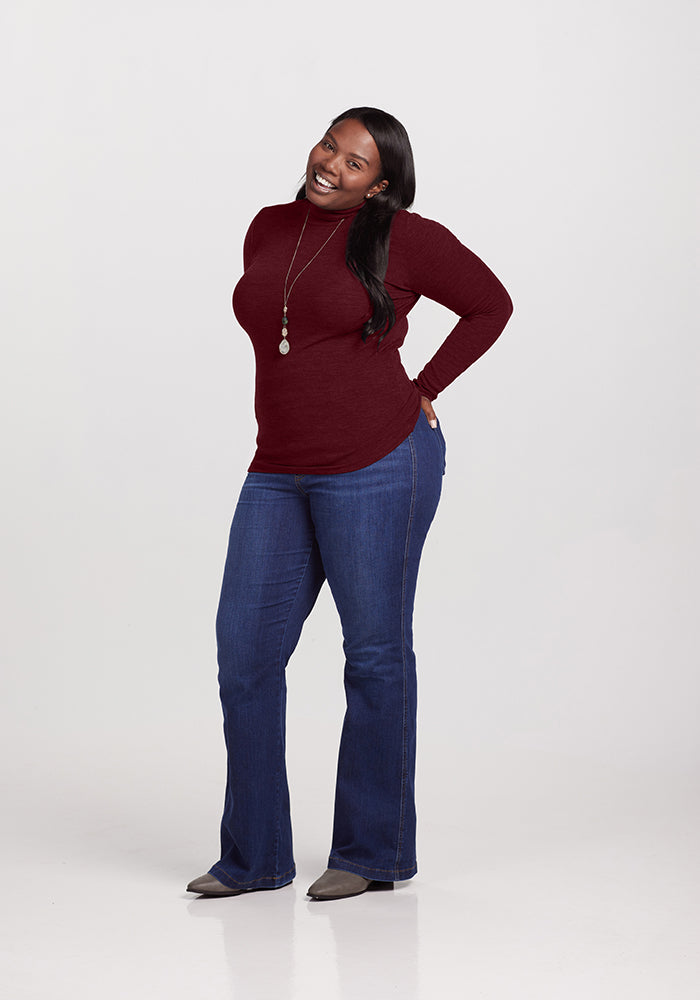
<point x="423" y="391"/>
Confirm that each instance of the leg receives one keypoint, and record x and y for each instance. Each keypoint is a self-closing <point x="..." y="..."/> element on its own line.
<point x="271" y="581"/>
<point x="371" y="526"/>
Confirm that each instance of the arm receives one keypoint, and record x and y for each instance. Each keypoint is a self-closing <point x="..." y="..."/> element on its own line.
<point x="443" y="269"/>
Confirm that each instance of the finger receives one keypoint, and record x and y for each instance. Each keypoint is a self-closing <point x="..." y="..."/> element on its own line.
<point x="429" y="411"/>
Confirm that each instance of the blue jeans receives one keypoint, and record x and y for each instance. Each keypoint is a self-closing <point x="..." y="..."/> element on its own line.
<point x="362" y="531"/>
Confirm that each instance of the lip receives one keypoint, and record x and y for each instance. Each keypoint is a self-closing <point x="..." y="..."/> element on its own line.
<point x="318" y="188"/>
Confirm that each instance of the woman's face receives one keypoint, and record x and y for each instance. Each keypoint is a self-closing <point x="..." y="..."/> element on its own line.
<point x="344" y="167"/>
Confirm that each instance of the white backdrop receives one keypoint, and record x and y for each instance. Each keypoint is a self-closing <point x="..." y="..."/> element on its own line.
<point x="556" y="626"/>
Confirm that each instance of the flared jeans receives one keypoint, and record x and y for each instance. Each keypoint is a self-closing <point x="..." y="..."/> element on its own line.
<point x="362" y="531"/>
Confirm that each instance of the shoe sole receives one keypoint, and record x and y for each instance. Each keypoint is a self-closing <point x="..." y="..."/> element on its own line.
<point x="372" y="887"/>
<point x="236" y="892"/>
<point x="232" y="892"/>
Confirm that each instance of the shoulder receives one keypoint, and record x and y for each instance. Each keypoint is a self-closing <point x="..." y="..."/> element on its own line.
<point x="268" y="225"/>
<point x="428" y="258"/>
<point x="415" y="231"/>
<point x="419" y="245"/>
<point x="279" y="214"/>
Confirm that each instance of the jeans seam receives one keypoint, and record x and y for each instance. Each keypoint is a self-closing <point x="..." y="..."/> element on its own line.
<point x="281" y="680"/>
<point x="404" y="742"/>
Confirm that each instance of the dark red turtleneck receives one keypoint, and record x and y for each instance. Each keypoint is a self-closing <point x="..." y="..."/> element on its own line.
<point x="333" y="403"/>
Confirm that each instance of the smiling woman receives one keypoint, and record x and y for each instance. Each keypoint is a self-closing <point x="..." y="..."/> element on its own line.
<point x="344" y="167"/>
<point x="346" y="494"/>
<point x="387" y="184"/>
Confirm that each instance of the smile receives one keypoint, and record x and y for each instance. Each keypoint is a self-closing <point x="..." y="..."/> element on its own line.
<point x="323" y="183"/>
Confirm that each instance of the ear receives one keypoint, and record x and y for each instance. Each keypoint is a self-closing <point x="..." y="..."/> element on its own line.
<point x="378" y="188"/>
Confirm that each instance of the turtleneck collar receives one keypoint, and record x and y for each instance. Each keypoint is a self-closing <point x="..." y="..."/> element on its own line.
<point x="317" y="214"/>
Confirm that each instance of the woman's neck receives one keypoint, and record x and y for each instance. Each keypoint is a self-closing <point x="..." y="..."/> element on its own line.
<point x="317" y="214"/>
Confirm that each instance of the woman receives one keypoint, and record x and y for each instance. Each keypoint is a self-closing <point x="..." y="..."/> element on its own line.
<point x="343" y="487"/>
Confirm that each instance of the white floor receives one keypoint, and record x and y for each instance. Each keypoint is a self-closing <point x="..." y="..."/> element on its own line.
<point x="589" y="891"/>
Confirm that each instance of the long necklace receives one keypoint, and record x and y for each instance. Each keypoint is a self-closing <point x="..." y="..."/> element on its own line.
<point x="284" y="343"/>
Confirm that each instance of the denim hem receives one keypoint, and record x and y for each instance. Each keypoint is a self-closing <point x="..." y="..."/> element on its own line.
<point x="376" y="874"/>
<point x="264" y="882"/>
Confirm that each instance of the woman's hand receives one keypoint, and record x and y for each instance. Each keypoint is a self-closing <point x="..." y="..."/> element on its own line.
<point x="429" y="411"/>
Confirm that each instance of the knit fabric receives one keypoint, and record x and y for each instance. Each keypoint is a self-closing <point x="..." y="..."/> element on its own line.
<point x="334" y="403"/>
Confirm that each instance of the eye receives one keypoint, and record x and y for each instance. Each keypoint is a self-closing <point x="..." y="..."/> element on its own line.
<point x="326" y="144"/>
<point x="353" y="164"/>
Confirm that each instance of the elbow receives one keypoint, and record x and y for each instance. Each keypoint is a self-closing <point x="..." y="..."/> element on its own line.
<point x="501" y="312"/>
<point x="506" y="306"/>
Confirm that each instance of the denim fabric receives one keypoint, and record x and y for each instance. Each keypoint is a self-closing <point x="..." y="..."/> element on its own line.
<point x="362" y="531"/>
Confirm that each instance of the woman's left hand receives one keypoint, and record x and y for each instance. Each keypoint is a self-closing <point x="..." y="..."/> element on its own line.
<point x="429" y="411"/>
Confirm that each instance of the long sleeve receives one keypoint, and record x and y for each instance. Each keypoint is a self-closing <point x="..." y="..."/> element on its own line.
<point x="443" y="269"/>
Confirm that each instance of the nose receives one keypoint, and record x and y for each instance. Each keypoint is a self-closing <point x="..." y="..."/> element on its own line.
<point x="330" y="162"/>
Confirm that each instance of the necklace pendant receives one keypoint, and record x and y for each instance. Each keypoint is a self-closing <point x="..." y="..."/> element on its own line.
<point x="283" y="345"/>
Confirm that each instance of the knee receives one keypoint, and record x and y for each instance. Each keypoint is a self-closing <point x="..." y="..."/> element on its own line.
<point x="377" y="656"/>
<point x="246" y="656"/>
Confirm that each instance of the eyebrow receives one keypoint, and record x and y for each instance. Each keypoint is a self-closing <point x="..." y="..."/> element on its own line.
<point x="354" y="156"/>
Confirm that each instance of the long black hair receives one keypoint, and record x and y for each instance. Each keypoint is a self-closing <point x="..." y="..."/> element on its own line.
<point x="367" y="249"/>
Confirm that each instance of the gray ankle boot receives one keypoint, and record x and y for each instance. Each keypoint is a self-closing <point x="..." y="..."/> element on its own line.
<point x="334" y="884"/>
<point x="207" y="885"/>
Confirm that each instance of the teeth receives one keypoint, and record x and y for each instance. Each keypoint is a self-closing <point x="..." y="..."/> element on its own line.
<point x="322" y="181"/>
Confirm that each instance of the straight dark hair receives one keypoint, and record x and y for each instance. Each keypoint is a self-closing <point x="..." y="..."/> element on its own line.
<point x="367" y="249"/>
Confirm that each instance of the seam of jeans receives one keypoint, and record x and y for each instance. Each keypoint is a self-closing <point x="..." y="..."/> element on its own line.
<point x="404" y="747"/>
<point x="281" y="681"/>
